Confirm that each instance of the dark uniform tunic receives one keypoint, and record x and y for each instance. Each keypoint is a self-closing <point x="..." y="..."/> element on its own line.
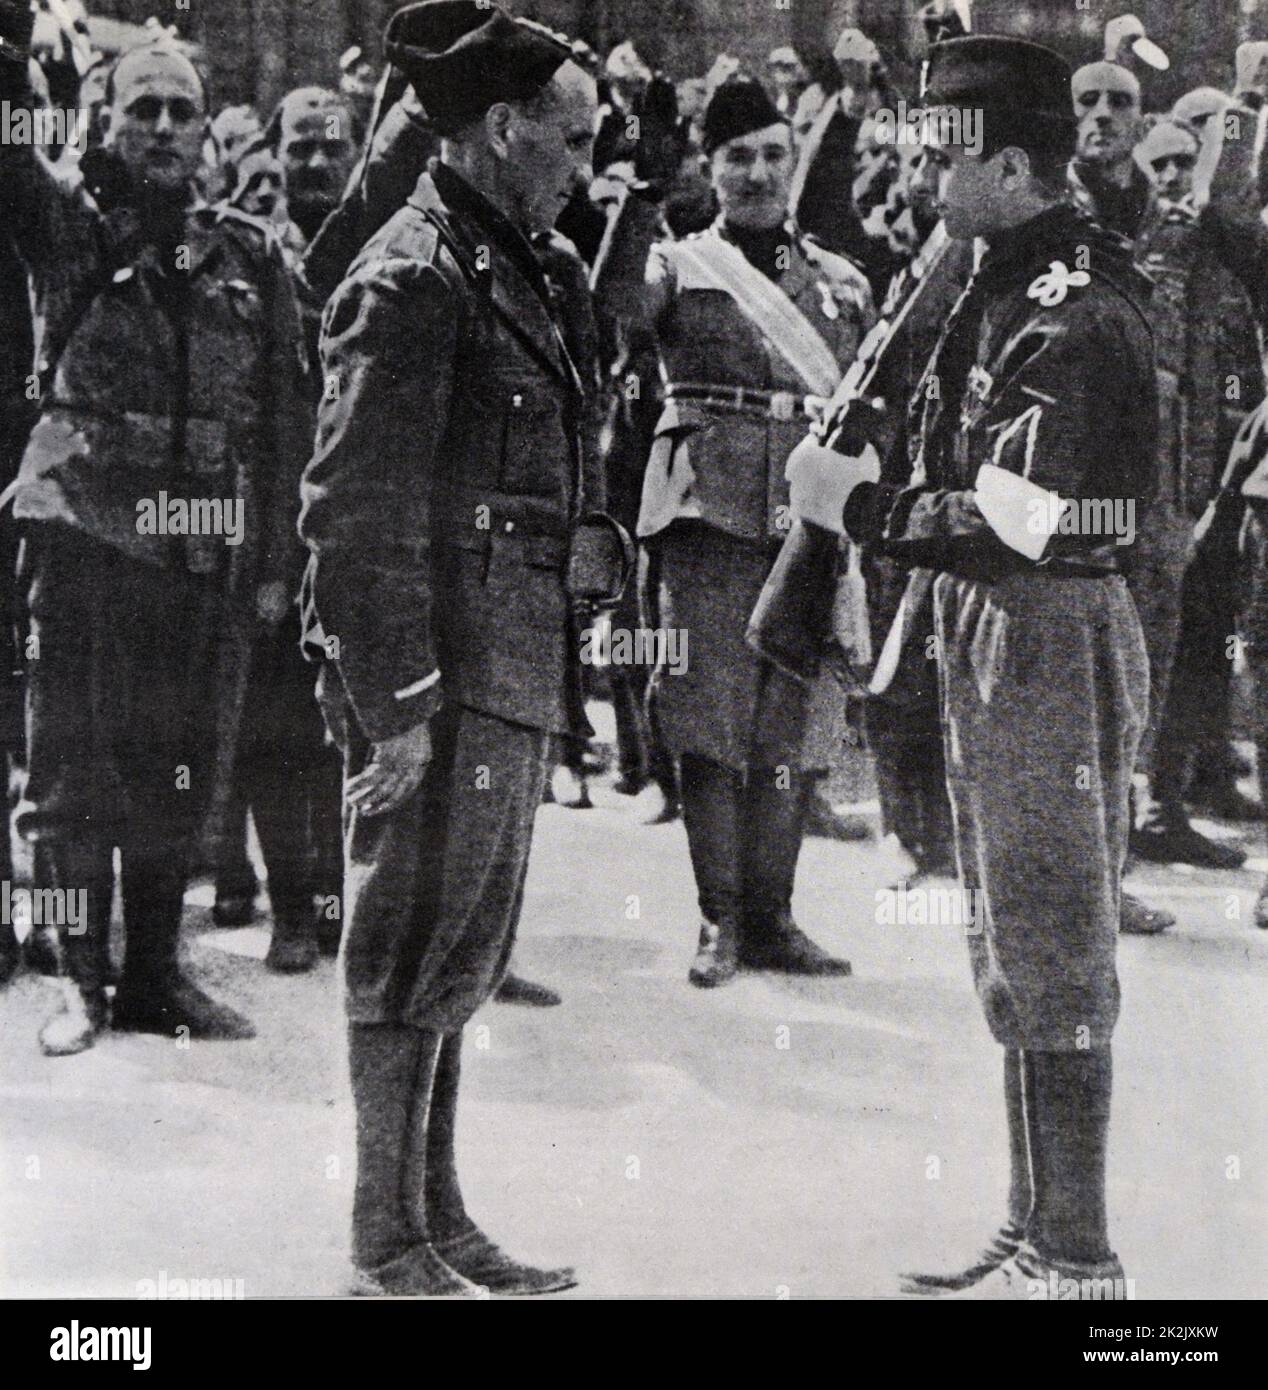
<point x="438" y="506"/>
<point x="1043" y="673"/>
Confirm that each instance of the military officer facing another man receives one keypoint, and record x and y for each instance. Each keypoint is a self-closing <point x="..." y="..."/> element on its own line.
<point x="441" y="507"/>
<point x="1045" y="396"/>
<point x="751" y="319"/>
<point x="170" y="370"/>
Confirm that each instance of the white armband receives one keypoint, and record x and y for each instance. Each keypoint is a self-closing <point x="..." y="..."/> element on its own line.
<point x="1022" y="514"/>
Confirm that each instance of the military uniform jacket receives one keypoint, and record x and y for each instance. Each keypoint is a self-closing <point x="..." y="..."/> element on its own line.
<point x="710" y="462"/>
<point x="1205" y="338"/>
<point x="446" y="475"/>
<point x="1044" y="370"/>
<point x="177" y="370"/>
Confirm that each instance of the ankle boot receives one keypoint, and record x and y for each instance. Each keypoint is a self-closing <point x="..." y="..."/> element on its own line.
<point x="83" y="945"/>
<point x="717" y="954"/>
<point x="515" y="989"/>
<point x="154" y="996"/>
<point x="778" y="943"/>
<point x="293" y="946"/>
<point x="458" y="1240"/>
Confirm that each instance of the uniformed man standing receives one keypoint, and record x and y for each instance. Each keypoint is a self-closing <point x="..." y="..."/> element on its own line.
<point x="285" y="772"/>
<point x="155" y="493"/>
<point x="751" y="320"/>
<point x="438" y="507"/>
<point x="1041" y="427"/>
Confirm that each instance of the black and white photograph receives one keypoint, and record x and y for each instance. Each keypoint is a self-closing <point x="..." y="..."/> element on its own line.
<point x="634" y="661"/>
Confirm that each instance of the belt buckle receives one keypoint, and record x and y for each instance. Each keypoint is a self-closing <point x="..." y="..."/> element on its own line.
<point x="783" y="405"/>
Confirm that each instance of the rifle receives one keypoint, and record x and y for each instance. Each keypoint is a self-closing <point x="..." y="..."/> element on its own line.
<point x="794" y="610"/>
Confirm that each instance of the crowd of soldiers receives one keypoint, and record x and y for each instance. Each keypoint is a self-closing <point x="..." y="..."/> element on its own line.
<point x="622" y="327"/>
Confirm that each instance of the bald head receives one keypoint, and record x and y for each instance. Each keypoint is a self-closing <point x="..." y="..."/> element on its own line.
<point x="155" y="117"/>
<point x="1107" y="104"/>
<point x="312" y="133"/>
<point x="1169" y="154"/>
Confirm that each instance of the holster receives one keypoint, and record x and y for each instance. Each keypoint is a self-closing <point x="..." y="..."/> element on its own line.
<point x="600" y="560"/>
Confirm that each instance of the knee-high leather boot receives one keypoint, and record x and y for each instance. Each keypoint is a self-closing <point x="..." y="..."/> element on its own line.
<point x="773" y="818"/>
<point x="153" y="995"/>
<point x="457" y="1239"/>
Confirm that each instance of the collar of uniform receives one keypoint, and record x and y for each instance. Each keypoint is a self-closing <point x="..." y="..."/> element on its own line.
<point x="759" y="243"/>
<point x="1038" y="238"/>
<point x="466" y="200"/>
<point x="523" y="297"/>
<point x="1121" y="209"/>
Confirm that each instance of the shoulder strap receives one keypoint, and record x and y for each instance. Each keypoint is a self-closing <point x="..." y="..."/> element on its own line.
<point x="711" y="263"/>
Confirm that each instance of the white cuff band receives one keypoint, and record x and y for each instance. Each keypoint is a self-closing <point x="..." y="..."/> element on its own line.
<point x="418" y="687"/>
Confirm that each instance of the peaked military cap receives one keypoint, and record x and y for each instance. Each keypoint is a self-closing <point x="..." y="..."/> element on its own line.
<point x="463" y="57"/>
<point x="738" y="107"/>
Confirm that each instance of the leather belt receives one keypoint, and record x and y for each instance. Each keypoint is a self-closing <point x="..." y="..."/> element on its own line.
<point x="1072" y="569"/>
<point x="748" y="400"/>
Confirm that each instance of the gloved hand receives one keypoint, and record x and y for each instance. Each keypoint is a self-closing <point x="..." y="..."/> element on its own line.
<point x="659" y="151"/>
<point x="821" y="480"/>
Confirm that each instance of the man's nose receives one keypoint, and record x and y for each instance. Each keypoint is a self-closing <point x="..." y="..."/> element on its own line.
<point x="319" y="159"/>
<point x="760" y="171"/>
<point x="163" y="126"/>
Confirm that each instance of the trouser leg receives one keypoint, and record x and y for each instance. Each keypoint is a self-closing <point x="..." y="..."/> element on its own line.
<point x="235" y="874"/>
<point x="1200" y="674"/>
<point x="1199" y="667"/>
<point x="631" y="746"/>
<point x="1067" y="1100"/>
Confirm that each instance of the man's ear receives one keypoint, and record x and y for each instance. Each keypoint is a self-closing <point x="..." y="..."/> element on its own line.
<point x="1014" y="164"/>
<point x="104" y="123"/>
<point x="497" y="125"/>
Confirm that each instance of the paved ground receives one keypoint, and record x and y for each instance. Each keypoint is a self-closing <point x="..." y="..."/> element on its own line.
<point x="808" y="1137"/>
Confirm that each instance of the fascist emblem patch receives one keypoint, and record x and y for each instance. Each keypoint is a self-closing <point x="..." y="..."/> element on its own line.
<point x="1051" y="288"/>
